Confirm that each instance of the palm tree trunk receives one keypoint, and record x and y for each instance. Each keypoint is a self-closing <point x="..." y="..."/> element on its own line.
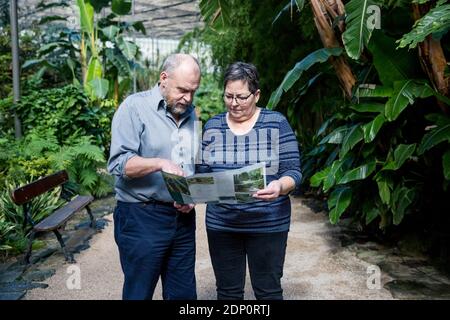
<point x="324" y="13"/>
<point x="432" y="58"/>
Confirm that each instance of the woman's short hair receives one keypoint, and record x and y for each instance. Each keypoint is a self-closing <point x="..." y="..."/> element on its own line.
<point x="242" y="71"/>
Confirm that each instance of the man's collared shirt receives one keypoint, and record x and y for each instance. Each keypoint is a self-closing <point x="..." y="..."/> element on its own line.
<point x="142" y="126"/>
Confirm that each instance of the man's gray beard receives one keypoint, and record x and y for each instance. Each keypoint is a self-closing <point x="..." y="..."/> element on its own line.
<point x="176" y="111"/>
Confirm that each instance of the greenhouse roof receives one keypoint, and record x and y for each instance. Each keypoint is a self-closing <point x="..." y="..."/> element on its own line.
<point x="169" y="19"/>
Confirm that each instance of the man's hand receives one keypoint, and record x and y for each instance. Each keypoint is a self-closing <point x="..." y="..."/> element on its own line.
<point x="270" y="193"/>
<point x="185" y="208"/>
<point x="171" y="167"/>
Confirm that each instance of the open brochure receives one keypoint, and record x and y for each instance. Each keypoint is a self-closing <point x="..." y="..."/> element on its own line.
<point x="230" y="186"/>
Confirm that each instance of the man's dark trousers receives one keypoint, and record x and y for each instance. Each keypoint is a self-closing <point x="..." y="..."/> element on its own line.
<point x="154" y="240"/>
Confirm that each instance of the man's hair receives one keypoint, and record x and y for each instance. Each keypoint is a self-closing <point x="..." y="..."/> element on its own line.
<point x="174" y="60"/>
<point x="242" y="71"/>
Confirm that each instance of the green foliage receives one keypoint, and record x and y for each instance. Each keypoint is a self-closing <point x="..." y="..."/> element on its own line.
<point x="13" y="238"/>
<point x="66" y="110"/>
<point x="357" y="33"/>
<point x="435" y="22"/>
<point x="28" y="47"/>
<point x="250" y="36"/>
<point x="39" y="208"/>
<point x="392" y="64"/>
<point x="293" y="75"/>
<point x="339" y="200"/>
<point x="374" y="156"/>
<point x="85" y="164"/>
<point x="208" y="98"/>
<point x="216" y="13"/>
<point x="382" y="157"/>
<point x="121" y="7"/>
<point x="39" y="154"/>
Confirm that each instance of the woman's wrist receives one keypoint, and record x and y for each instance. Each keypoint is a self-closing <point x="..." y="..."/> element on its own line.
<point x="287" y="185"/>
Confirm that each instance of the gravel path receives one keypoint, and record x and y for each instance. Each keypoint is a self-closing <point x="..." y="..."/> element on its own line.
<point x="316" y="266"/>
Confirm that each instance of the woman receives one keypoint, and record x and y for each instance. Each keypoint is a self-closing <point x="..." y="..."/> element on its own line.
<point x="257" y="230"/>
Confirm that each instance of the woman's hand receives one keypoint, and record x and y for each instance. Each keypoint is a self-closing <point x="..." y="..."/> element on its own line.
<point x="271" y="192"/>
<point x="185" y="208"/>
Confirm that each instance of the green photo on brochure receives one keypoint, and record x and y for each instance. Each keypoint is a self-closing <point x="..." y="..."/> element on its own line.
<point x="231" y="186"/>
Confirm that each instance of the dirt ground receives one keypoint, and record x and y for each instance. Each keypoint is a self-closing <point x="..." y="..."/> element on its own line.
<point x="316" y="266"/>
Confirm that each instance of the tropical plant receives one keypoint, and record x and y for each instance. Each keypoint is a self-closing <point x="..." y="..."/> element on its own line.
<point x="13" y="232"/>
<point x="208" y="98"/>
<point x="376" y="150"/>
<point x="67" y="110"/>
<point x="39" y="154"/>
<point x="107" y="56"/>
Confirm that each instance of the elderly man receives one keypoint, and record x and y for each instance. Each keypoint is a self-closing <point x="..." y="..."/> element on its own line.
<point x="155" y="235"/>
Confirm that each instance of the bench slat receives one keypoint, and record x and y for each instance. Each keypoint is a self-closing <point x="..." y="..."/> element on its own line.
<point x="26" y="193"/>
<point x="60" y="216"/>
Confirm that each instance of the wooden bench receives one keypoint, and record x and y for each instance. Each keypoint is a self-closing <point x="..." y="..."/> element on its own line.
<point x="57" y="219"/>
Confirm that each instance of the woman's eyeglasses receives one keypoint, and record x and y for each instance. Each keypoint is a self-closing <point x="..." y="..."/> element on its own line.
<point x="239" y="99"/>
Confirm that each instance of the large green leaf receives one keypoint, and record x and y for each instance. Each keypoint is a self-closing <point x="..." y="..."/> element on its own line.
<point x="354" y="136"/>
<point x="385" y="186"/>
<point x="216" y="13"/>
<point x="86" y="16"/>
<point x="438" y="119"/>
<point x="121" y="7"/>
<point x="47" y="19"/>
<point x="317" y="179"/>
<point x="402" y="197"/>
<point x="404" y="94"/>
<point x="335" y="173"/>
<point x="373" y="91"/>
<point x="436" y="22"/>
<point x="358" y="173"/>
<point x="99" y="87"/>
<point x="49" y="47"/>
<point x="446" y="164"/>
<point x="391" y="64"/>
<point x="139" y="26"/>
<point x="128" y="48"/>
<point x="402" y="153"/>
<point x="357" y="33"/>
<point x="295" y="73"/>
<point x="336" y="136"/>
<point x="370" y="211"/>
<point x="99" y="4"/>
<point x="46" y="5"/>
<point x="124" y="86"/>
<point x="371" y="129"/>
<point x="325" y="125"/>
<point x="436" y="136"/>
<point x="39" y="62"/>
<point x="338" y="202"/>
<point x="120" y="62"/>
<point x="368" y="107"/>
<point x="110" y="31"/>
<point x="94" y="70"/>
<point x="290" y="7"/>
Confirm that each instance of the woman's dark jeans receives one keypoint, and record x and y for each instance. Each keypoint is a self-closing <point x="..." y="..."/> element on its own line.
<point x="265" y="253"/>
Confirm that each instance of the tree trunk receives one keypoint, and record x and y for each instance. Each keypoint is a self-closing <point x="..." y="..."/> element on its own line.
<point x="324" y="13"/>
<point x="432" y="58"/>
